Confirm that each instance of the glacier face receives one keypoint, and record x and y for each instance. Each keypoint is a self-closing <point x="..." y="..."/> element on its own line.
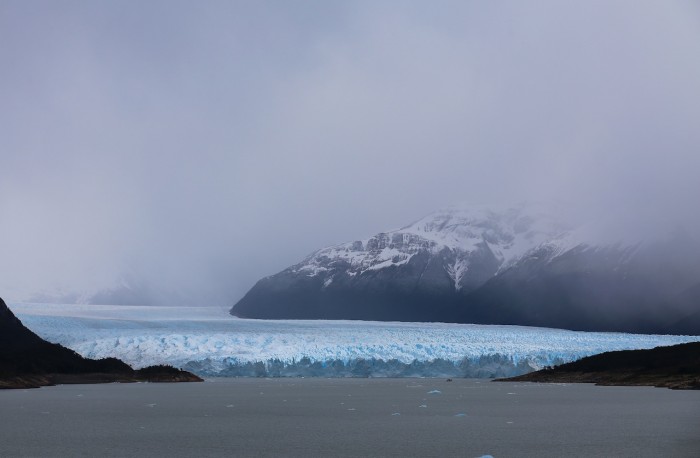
<point x="209" y="342"/>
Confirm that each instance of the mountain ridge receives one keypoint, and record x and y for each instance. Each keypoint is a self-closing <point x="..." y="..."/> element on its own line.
<point x="519" y="265"/>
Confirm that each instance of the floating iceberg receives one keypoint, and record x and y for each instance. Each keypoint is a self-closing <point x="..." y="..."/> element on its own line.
<point x="208" y="341"/>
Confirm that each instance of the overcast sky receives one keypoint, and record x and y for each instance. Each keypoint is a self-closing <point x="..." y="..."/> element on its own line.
<point x="207" y="144"/>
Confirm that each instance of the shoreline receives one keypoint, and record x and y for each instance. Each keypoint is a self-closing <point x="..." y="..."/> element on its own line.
<point x="40" y="380"/>
<point x="676" y="367"/>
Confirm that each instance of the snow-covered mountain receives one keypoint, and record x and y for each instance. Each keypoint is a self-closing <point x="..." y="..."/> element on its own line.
<point x="468" y="245"/>
<point x="516" y="265"/>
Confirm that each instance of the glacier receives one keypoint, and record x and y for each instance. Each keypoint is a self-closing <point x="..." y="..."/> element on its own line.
<point x="211" y="343"/>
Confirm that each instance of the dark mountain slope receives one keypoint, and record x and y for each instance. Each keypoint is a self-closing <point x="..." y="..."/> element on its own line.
<point x="587" y="289"/>
<point x="688" y="306"/>
<point x="26" y="360"/>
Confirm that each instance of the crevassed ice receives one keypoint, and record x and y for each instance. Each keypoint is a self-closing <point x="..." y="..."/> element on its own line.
<point x="209" y="342"/>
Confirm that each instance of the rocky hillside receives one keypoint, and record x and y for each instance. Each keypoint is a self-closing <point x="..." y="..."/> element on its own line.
<point x="676" y="367"/>
<point x="27" y="361"/>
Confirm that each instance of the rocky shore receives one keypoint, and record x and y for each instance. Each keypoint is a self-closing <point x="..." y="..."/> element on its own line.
<point x="676" y="367"/>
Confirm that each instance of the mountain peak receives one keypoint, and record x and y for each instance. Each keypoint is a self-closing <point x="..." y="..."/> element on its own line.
<point x="509" y="231"/>
<point x="457" y="233"/>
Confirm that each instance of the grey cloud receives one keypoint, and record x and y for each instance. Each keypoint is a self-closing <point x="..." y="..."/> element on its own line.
<point x="202" y="146"/>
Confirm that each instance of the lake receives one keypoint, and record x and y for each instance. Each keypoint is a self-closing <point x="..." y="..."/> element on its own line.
<point x="349" y="417"/>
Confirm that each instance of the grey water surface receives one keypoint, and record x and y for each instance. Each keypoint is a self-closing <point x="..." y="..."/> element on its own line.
<point x="348" y="417"/>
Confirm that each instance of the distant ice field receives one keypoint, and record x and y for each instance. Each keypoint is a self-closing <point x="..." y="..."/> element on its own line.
<point x="208" y="341"/>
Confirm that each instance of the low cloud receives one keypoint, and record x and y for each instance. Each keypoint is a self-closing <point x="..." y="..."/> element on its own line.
<point x="201" y="147"/>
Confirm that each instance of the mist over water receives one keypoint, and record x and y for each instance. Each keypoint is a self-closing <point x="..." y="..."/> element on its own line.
<point x="189" y="150"/>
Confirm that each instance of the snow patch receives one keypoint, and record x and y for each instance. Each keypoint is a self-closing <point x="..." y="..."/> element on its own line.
<point x="457" y="270"/>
